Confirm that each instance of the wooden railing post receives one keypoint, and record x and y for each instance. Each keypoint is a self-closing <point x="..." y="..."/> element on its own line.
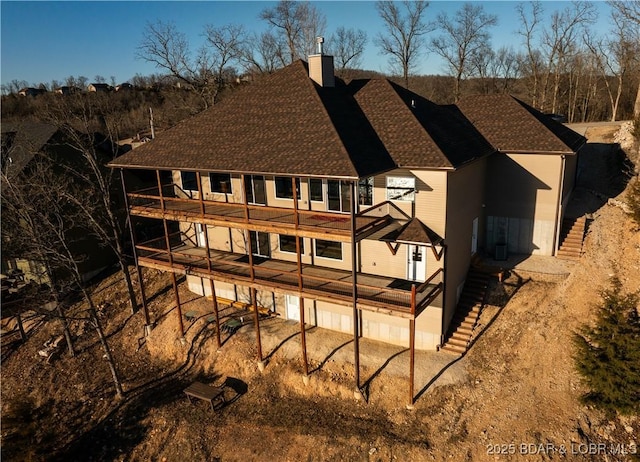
<point x="413" y="299"/>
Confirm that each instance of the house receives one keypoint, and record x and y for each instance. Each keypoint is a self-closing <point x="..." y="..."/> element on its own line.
<point x="328" y="202"/>
<point x="99" y="87"/>
<point x="30" y="91"/>
<point x="22" y="144"/>
<point x="126" y="86"/>
<point x="67" y="90"/>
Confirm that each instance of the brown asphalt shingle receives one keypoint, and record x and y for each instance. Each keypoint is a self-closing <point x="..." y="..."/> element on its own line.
<point x="417" y="132"/>
<point x="24" y="140"/>
<point x="278" y="125"/>
<point x="511" y="125"/>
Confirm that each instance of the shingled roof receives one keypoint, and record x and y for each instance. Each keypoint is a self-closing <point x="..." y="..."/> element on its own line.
<point x="513" y="126"/>
<point x="286" y="124"/>
<point x="21" y="141"/>
<point x="283" y="124"/>
<point x="417" y="132"/>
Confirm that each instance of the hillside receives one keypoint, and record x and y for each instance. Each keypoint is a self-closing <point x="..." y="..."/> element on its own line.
<point x="513" y="396"/>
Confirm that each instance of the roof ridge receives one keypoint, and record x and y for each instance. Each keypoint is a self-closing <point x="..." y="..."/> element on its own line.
<point x="315" y="87"/>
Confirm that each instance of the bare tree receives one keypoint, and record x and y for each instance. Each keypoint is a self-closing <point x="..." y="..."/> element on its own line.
<point x="559" y="43"/>
<point x="40" y="200"/>
<point x="297" y="24"/>
<point x="404" y="34"/>
<point x="615" y="56"/>
<point x="83" y="120"/>
<point x="462" y="37"/>
<point x="347" y="46"/>
<point x="168" y="48"/>
<point x="531" y="62"/>
<point x="263" y="54"/>
<point x="630" y="10"/>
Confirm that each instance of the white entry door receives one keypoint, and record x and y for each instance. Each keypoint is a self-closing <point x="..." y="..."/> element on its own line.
<point x="293" y="307"/>
<point x="417" y="263"/>
<point x="200" y="235"/>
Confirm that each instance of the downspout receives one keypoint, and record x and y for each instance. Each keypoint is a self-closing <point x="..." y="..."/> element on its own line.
<point x="357" y="393"/>
<point x="556" y="240"/>
<point x="444" y="295"/>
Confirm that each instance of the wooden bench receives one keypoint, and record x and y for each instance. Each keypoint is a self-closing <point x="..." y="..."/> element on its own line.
<point x="205" y="392"/>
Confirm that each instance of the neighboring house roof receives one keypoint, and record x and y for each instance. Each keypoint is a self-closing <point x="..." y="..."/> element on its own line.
<point x="513" y="126"/>
<point x="286" y="124"/>
<point x="20" y="143"/>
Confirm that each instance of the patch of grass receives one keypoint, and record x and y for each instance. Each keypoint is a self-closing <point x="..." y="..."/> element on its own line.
<point x="608" y="353"/>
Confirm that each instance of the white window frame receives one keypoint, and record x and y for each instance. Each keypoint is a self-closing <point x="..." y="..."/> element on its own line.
<point x="230" y="192"/>
<point x="315" y="250"/>
<point x="287" y="251"/>
<point x="275" y="188"/>
<point x="323" y="193"/>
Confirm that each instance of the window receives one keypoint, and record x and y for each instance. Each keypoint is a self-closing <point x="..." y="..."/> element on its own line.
<point x="260" y="244"/>
<point x="339" y="196"/>
<point x="401" y="188"/>
<point x="315" y="189"/>
<point x="220" y="183"/>
<point x="189" y="181"/>
<point x="288" y="244"/>
<point x="254" y="189"/>
<point x="284" y="187"/>
<point x="365" y="191"/>
<point x="329" y="249"/>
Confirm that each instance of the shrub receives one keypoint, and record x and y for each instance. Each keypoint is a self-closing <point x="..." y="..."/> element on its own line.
<point x="633" y="200"/>
<point x="608" y="353"/>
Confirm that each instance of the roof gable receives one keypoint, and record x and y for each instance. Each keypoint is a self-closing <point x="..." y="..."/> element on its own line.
<point x="513" y="126"/>
<point x="417" y="132"/>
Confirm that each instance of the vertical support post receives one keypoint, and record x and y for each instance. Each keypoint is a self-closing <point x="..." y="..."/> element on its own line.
<point x="413" y="299"/>
<point x="256" y="318"/>
<point x="145" y="308"/>
<point x="200" y="198"/>
<point x="303" y="341"/>
<point x="23" y="336"/>
<point x="296" y="216"/>
<point x="354" y="277"/>
<point x="160" y="190"/>
<point x="178" y="306"/>
<point x="215" y="311"/>
<point x="412" y="355"/>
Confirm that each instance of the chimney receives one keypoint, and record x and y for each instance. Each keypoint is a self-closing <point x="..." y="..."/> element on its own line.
<point x="321" y="66"/>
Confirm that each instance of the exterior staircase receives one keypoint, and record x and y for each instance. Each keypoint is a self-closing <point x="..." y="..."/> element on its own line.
<point x="467" y="312"/>
<point x="571" y="237"/>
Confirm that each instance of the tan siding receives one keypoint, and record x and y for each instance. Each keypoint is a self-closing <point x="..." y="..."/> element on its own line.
<point x="465" y="202"/>
<point x="376" y="258"/>
<point x="431" y="200"/>
<point x="522" y="199"/>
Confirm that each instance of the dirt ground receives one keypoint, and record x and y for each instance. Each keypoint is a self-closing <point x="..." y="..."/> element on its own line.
<point x="513" y="396"/>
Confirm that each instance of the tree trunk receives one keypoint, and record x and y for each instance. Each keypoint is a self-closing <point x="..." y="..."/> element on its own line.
<point x="105" y="346"/>
<point x="636" y="107"/>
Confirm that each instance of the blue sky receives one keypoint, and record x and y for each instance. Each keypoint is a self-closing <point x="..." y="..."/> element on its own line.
<point x="42" y="41"/>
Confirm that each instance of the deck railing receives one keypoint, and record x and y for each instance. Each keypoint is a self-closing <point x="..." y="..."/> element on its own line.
<point x="174" y="199"/>
<point x="408" y="299"/>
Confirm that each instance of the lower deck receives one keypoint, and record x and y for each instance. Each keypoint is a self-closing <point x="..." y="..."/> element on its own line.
<point x="392" y="296"/>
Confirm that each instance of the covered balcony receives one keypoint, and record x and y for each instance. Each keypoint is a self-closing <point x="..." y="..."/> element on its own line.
<point x="172" y="203"/>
